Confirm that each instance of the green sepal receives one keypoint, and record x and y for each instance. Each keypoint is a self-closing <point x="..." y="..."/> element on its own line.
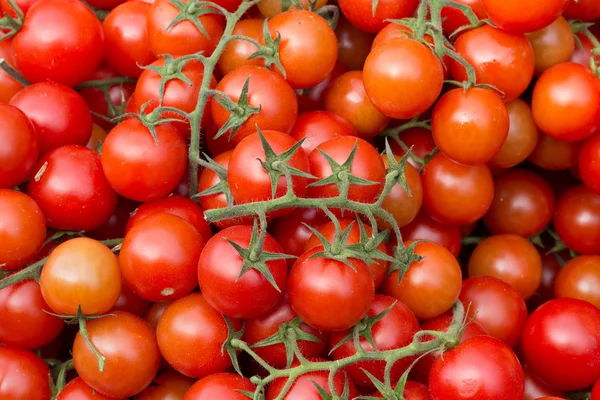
<point x="238" y="112"/>
<point x="227" y="347"/>
<point x="270" y="51"/>
<point x="404" y="257"/>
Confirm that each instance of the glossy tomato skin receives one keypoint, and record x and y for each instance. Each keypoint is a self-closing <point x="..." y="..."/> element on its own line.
<point x="23" y="375"/>
<point x="23" y="231"/>
<point x="567" y="89"/>
<point x="58" y="113"/>
<point x="224" y="385"/>
<point x="419" y="140"/>
<point x="291" y="231"/>
<point x="271" y="8"/>
<point x="402" y="78"/>
<point x="77" y="389"/>
<point x="425" y="228"/>
<point x="552" y="45"/>
<point x="71" y="189"/>
<point x="190" y="336"/>
<point x="170" y="385"/>
<point x="560" y="344"/>
<point x="470" y="126"/>
<point x="589" y="163"/>
<point x="456" y="194"/>
<point x="129" y="345"/>
<point x="403" y="205"/>
<point x="267" y="90"/>
<point x="586" y="10"/>
<point x="481" y="368"/>
<point x="168" y="272"/>
<point x="316" y="127"/>
<point x="395" y="330"/>
<point x="354" y="45"/>
<point x="577" y="220"/>
<point x="20" y="147"/>
<point x="360" y="12"/>
<point x="452" y="18"/>
<point x="61" y="40"/>
<point x="9" y="86"/>
<point x="551" y="266"/>
<point x="579" y="279"/>
<point x="219" y="268"/>
<point x="237" y="51"/>
<point x="555" y="155"/>
<point x="500" y="58"/>
<point x="327" y="294"/>
<point x="514" y="16"/>
<point x="535" y="389"/>
<point x="139" y="168"/>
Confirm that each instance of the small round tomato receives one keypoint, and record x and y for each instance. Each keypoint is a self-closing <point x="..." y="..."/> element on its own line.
<point x="354" y="45"/>
<point x="224" y="385"/>
<point x="84" y="273"/>
<point x="552" y="45"/>
<point x="271" y="8"/>
<point x="231" y="289"/>
<point x="23" y="375"/>
<point x="58" y="113"/>
<point x="237" y="51"/>
<point x="498" y="307"/>
<point x="403" y="78"/>
<point x="328" y="294"/>
<point x="523" y="204"/>
<point x="453" y="18"/>
<point x="419" y="140"/>
<point x="23" y="229"/>
<point x="9" y="86"/>
<point x="536" y="390"/>
<point x="510" y="258"/>
<point x="71" y="189"/>
<point x="577" y="220"/>
<point x="554" y="155"/>
<point x="291" y="230"/>
<point x="127" y="44"/>
<point x="316" y="127"/>
<point x="589" y="163"/>
<point x="514" y="16"/>
<point x="129" y="346"/>
<point x="266" y="90"/>
<point x="502" y="59"/>
<point x="425" y="228"/>
<point x="77" y="389"/>
<point x="412" y="391"/>
<point x="583" y="52"/>
<point x="314" y="99"/>
<point x="560" y="343"/>
<point x="580" y="279"/>
<point x="586" y="10"/>
<point x="480" y="368"/>
<point x="183" y="38"/>
<point x="346" y="97"/>
<point x="140" y="168"/>
<point x="60" y="40"/>
<point x="190" y="336"/>
<point x="456" y="194"/>
<point x="20" y="149"/>
<point x="566" y="102"/>
<point x="470" y="126"/>
<point x="522" y="136"/>
<point x="401" y="204"/>
<point x="431" y="285"/>
<point x="170" y="385"/>
<point x="360" y="12"/>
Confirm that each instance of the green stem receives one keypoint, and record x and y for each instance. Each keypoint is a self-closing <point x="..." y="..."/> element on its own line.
<point x="100" y="83"/>
<point x="13" y="73"/>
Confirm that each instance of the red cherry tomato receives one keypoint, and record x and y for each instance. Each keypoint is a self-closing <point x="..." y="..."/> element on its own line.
<point x="223" y="385"/>
<point x="20" y="147"/>
<point x="316" y="127"/>
<point x="425" y="228"/>
<point x="77" y="389"/>
<point x="515" y="16"/>
<point x="360" y="12"/>
<point x="23" y="375"/>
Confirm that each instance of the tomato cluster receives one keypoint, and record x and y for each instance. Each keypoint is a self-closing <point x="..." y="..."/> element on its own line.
<point x="294" y="199"/>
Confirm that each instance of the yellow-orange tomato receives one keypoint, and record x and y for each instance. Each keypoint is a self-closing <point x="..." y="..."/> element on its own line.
<point x="97" y="138"/>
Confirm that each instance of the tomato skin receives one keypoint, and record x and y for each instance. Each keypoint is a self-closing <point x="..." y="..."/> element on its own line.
<point x="555" y="155"/>
<point x="425" y="228"/>
<point x="71" y="189"/>
<point x="586" y="10"/>
<point x="77" y="389"/>
<point x="59" y="114"/>
<point x="346" y="97"/>
<point x="577" y="220"/>
<point x="523" y="204"/>
<point x="510" y="258"/>
<point x="267" y="90"/>
<point x="23" y="230"/>
<point x="395" y="330"/>
<point x="452" y="18"/>
<point x="522" y="136"/>
<point x="456" y="194"/>
<point x="589" y="163"/>
<point x="402" y="78"/>
<point x="515" y="16"/>
<point x="560" y="343"/>
<point x="327" y="294"/>
<point x="167" y="386"/>
<point x="61" y="40"/>
<point x="219" y="267"/>
<point x="183" y="38"/>
<point x="360" y="13"/>
<point x="8" y="85"/>
<point x="419" y="140"/>
<point x="470" y="126"/>
<point x="316" y="127"/>
<point x="314" y="99"/>
<point x="130" y="302"/>
<point x="223" y="385"/>
<point x="431" y="297"/>
<point x="81" y="272"/>
<point x="115" y="226"/>
<point x="497" y="307"/>
<point x="579" y="279"/>
<point x="271" y="8"/>
<point x="20" y="147"/>
<point x="596" y="390"/>
<point x="354" y="45"/>
<point x="535" y="389"/>
<point x="129" y="345"/>
<point x="500" y="58"/>
<point x="127" y="41"/>
<point x="237" y="51"/>
<point x="190" y="336"/>
<point x="23" y="375"/>
<point x="139" y="168"/>
<point x="567" y="89"/>
<point x="552" y="45"/>
<point x="480" y="368"/>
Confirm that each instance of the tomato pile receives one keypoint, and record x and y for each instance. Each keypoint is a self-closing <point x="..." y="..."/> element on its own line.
<point x="294" y="199"/>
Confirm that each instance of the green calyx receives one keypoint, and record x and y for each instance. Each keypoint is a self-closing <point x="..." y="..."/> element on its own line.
<point x="238" y="112"/>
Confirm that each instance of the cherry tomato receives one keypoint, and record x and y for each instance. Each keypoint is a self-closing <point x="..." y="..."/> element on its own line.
<point x="291" y="230"/>
<point x="9" y="86"/>
<point x="412" y="391"/>
<point x="425" y="228"/>
<point x="535" y="389"/>
<point x="514" y="16"/>
<point x="554" y="155"/>
<point x="582" y="54"/>
<point x="586" y="10"/>
<point x="23" y="375"/>
<point x="419" y="140"/>
<point x="20" y="147"/>
<point x="167" y="386"/>
<point x="354" y="44"/>
<point x="77" y="389"/>
<point x="551" y="266"/>
<point x="223" y="385"/>
<point x="552" y="45"/>
<point x="271" y="8"/>
<point x="360" y="12"/>
<point x="237" y="51"/>
<point x="316" y="127"/>
<point x="453" y="18"/>
<point x="589" y="163"/>
<point x="577" y="220"/>
<point x="579" y="279"/>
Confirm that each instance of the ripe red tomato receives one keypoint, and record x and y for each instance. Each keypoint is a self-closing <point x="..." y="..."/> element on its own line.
<point x="514" y="16"/>
<point x="267" y="90"/>
<point x="220" y="266"/>
<point x="577" y="220"/>
<point x="139" y="168"/>
<point x="237" y="51"/>
<point x="60" y="40"/>
<point x="129" y="345"/>
<point x="453" y="18"/>
<point x="586" y="10"/>
<point x="23" y="375"/>
<point x="403" y="205"/>
<point x="223" y="385"/>
<point x="554" y="155"/>
<point x="470" y="126"/>
<point x="291" y="230"/>
<point x="169" y="271"/>
<point x="271" y="8"/>
<point x="580" y="279"/>
<point x="480" y="368"/>
<point x="314" y="99"/>
<point x="589" y="163"/>
<point x="412" y="391"/>
<point x="23" y="229"/>
<point x="560" y="344"/>
<point x="419" y="140"/>
<point x="354" y="45"/>
<point x="535" y="389"/>
<point x="19" y="149"/>
<point x="127" y="44"/>
<point x="77" y="389"/>
<point x="502" y="59"/>
<point x="425" y="228"/>
<point x="166" y="386"/>
<point x="316" y="127"/>
<point x="567" y="89"/>
<point x="456" y="194"/>
<point x="360" y="12"/>
<point x="552" y="45"/>
<point x="9" y="86"/>
<point x="58" y="113"/>
<point x="314" y="288"/>
<point x="190" y="336"/>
